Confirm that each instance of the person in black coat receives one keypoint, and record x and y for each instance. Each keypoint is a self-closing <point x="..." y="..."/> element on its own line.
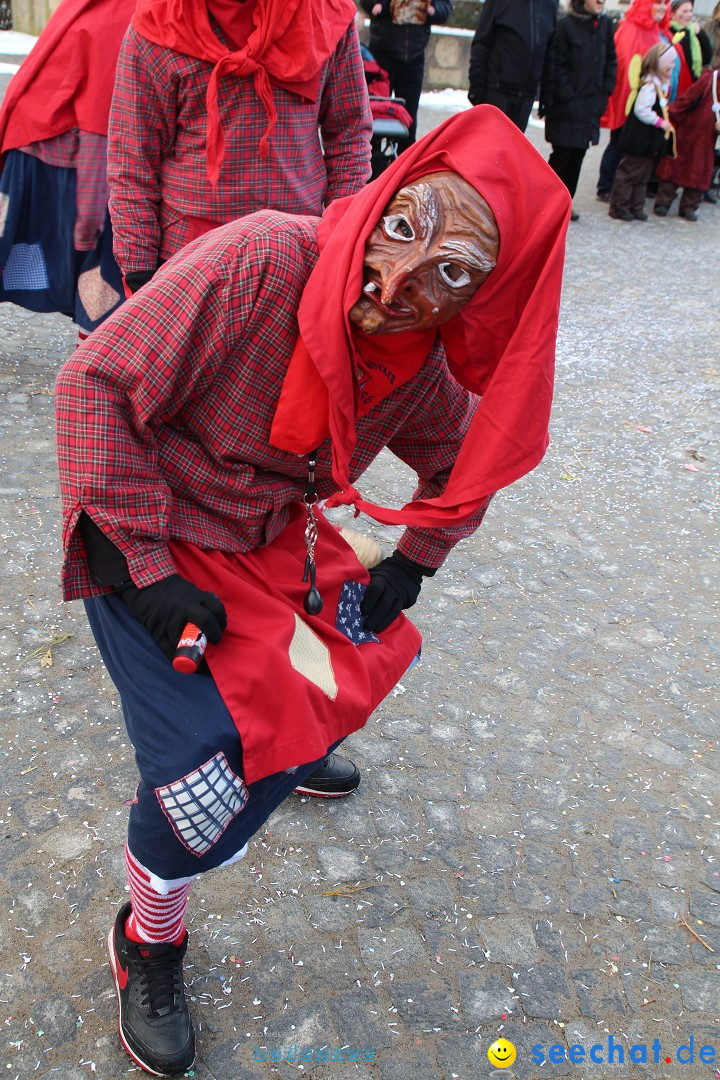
<point x="511" y="55"/>
<point x="584" y="70"/>
<point x="399" y="34"/>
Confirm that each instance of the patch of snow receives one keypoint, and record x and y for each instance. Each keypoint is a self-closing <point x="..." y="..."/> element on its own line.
<point x="448" y="100"/>
<point x="12" y="43"/>
<point x="455" y="101"/>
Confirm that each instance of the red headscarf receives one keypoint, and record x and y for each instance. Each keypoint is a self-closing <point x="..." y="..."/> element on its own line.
<point x="501" y="345"/>
<point x="284" y="42"/>
<point x="637" y="33"/>
<point x="67" y="80"/>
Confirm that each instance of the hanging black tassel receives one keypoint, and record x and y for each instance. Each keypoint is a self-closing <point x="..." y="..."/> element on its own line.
<point x="313" y="601"/>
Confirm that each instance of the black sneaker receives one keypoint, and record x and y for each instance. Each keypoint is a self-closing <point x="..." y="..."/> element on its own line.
<point x="154" y="1022"/>
<point x="337" y="776"/>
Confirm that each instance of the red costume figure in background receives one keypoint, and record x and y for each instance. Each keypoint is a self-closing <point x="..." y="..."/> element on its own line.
<point x="645" y="23"/>
<point x="696" y="116"/>
<point x="216" y="116"/>
<point x="55" y="240"/>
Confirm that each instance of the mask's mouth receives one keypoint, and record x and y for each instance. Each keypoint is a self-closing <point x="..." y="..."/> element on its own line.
<point x="373" y="290"/>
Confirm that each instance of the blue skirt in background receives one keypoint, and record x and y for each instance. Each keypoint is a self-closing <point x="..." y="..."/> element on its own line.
<point x="40" y="268"/>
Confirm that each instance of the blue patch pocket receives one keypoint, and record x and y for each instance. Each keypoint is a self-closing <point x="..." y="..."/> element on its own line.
<point x="349" y="620"/>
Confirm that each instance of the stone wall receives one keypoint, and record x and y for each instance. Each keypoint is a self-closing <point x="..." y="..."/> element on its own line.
<point x="447" y="59"/>
<point x="30" y="16"/>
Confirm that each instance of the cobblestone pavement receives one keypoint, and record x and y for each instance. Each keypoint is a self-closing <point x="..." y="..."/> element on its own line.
<point x="533" y="850"/>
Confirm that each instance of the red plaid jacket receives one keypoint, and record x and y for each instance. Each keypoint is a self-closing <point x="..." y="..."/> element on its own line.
<point x="164" y="413"/>
<point x="156" y="147"/>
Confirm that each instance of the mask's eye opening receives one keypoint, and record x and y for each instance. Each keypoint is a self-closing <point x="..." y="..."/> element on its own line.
<point x="397" y="227"/>
<point x="454" y="275"/>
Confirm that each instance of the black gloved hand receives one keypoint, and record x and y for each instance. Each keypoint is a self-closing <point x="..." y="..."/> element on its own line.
<point x="394" y="585"/>
<point x="166" y="606"/>
<point x="137" y="278"/>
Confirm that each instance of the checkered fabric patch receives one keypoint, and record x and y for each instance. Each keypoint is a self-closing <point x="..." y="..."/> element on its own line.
<point x="25" y="268"/>
<point x="349" y="621"/>
<point x="201" y="804"/>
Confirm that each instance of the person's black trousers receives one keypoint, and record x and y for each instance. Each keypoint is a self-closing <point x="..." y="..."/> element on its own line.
<point x="610" y="160"/>
<point x="567" y="161"/>
<point x="406" y="79"/>
<point x="516" y="108"/>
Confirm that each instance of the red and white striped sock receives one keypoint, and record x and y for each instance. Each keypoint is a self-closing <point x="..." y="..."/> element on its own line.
<point x="156" y="917"/>
<point x="82" y="336"/>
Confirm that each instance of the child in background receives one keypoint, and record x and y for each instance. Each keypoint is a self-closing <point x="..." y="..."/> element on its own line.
<point x="647" y="133"/>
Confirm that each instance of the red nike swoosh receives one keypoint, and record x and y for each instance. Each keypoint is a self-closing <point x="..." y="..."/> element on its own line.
<point x="122" y="976"/>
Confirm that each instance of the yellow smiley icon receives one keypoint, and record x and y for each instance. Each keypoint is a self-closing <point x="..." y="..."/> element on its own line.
<point x="501" y="1054"/>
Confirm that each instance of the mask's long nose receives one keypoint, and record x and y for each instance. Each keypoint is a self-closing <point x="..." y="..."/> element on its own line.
<point x="394" y="282"/>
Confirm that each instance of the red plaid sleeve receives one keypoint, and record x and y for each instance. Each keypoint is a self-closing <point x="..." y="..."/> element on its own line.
<point x="152" y="409"/>
<point x="91" y="190"/>
<point x="346" y="121"/>
<point x="140" y="133"/>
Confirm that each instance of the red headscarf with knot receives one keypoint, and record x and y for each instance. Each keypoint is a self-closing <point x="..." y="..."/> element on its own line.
<point x="280" y="42"/>
<point x="500" y="346"/>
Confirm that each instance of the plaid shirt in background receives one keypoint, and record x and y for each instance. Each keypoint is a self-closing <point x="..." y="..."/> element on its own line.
<point x="164" y="413"/>
<point x="156" y="150"/>
<point x="86" y="152"/>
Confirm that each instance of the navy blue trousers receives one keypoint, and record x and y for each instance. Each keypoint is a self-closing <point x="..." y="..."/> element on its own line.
<point x="193" y="810"/>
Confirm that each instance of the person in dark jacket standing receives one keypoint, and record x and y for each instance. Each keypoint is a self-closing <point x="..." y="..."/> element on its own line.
<point x="583" y="79"/>
<point x="511" y="55"/>
<point x="399" y="34"/>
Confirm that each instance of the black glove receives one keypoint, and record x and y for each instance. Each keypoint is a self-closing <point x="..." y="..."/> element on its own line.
<point x="137" y="278"/>
<point x="394" y="585"/>
<point x="166" y="606"/>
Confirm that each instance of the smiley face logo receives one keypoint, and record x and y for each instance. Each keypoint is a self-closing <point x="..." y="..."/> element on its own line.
<point x="501" y="1054"/>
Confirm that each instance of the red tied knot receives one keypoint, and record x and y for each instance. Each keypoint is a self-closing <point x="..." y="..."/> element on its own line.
<point x="215" y="139"/>
<point x="348" y="496"/>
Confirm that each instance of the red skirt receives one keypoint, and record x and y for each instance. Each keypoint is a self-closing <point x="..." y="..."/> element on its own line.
<point x="295" y="683"/>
